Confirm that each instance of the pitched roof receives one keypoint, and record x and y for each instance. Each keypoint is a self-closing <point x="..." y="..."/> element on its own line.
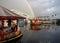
<point x="7" y="14"/>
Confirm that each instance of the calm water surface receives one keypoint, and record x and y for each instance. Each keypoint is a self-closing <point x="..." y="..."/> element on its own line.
<point x="47" y="34"/>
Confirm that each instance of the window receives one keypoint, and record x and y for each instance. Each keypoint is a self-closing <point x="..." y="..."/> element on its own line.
<point x="5" y="23"/>
<point x="14" y="25"/>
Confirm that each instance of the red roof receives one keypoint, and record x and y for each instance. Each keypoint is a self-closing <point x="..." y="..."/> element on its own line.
<point x="7" y="14"/>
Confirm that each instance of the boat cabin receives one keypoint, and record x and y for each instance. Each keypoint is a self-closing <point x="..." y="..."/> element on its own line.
<point x="9" y="27"/>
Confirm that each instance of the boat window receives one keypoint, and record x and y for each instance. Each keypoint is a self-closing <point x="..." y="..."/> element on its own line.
<point x="13" y="24"/>
<point x="5" y="23"/>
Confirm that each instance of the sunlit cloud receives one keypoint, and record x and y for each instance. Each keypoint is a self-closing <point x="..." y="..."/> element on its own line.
<point x="52" y="1"/>
<point x="51" y="9"/>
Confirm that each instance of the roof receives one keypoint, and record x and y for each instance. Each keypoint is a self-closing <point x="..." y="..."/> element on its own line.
<point x="8" y="14"/>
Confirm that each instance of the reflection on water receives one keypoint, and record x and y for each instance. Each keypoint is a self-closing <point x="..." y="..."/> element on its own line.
<point x="39" y="27"/>
<point x="47" y="33"/>
<point x="46" y="27"/>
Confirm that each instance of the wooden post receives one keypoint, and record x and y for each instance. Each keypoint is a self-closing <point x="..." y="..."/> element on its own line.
<point x="2" y="35"/>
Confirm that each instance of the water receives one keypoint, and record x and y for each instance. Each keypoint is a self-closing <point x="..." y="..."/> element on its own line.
<point x="47" y="34"/>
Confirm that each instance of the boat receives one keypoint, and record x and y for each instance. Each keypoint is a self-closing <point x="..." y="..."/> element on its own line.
<point x="9" y="26"/>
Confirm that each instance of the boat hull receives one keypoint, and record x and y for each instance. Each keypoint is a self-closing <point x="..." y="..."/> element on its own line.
<point x="12" y="39"/>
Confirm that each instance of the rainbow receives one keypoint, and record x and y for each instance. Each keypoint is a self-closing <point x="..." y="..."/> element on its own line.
<point x="33" y="15"/>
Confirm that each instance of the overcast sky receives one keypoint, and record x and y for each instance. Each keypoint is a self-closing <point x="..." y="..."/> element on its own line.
<point x="46" y="7"/>
<point x="40" y="7"/>
<point x="19" y="5"/>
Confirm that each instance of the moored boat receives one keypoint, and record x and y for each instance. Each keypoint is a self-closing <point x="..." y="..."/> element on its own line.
<point x="9" y="26"/>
